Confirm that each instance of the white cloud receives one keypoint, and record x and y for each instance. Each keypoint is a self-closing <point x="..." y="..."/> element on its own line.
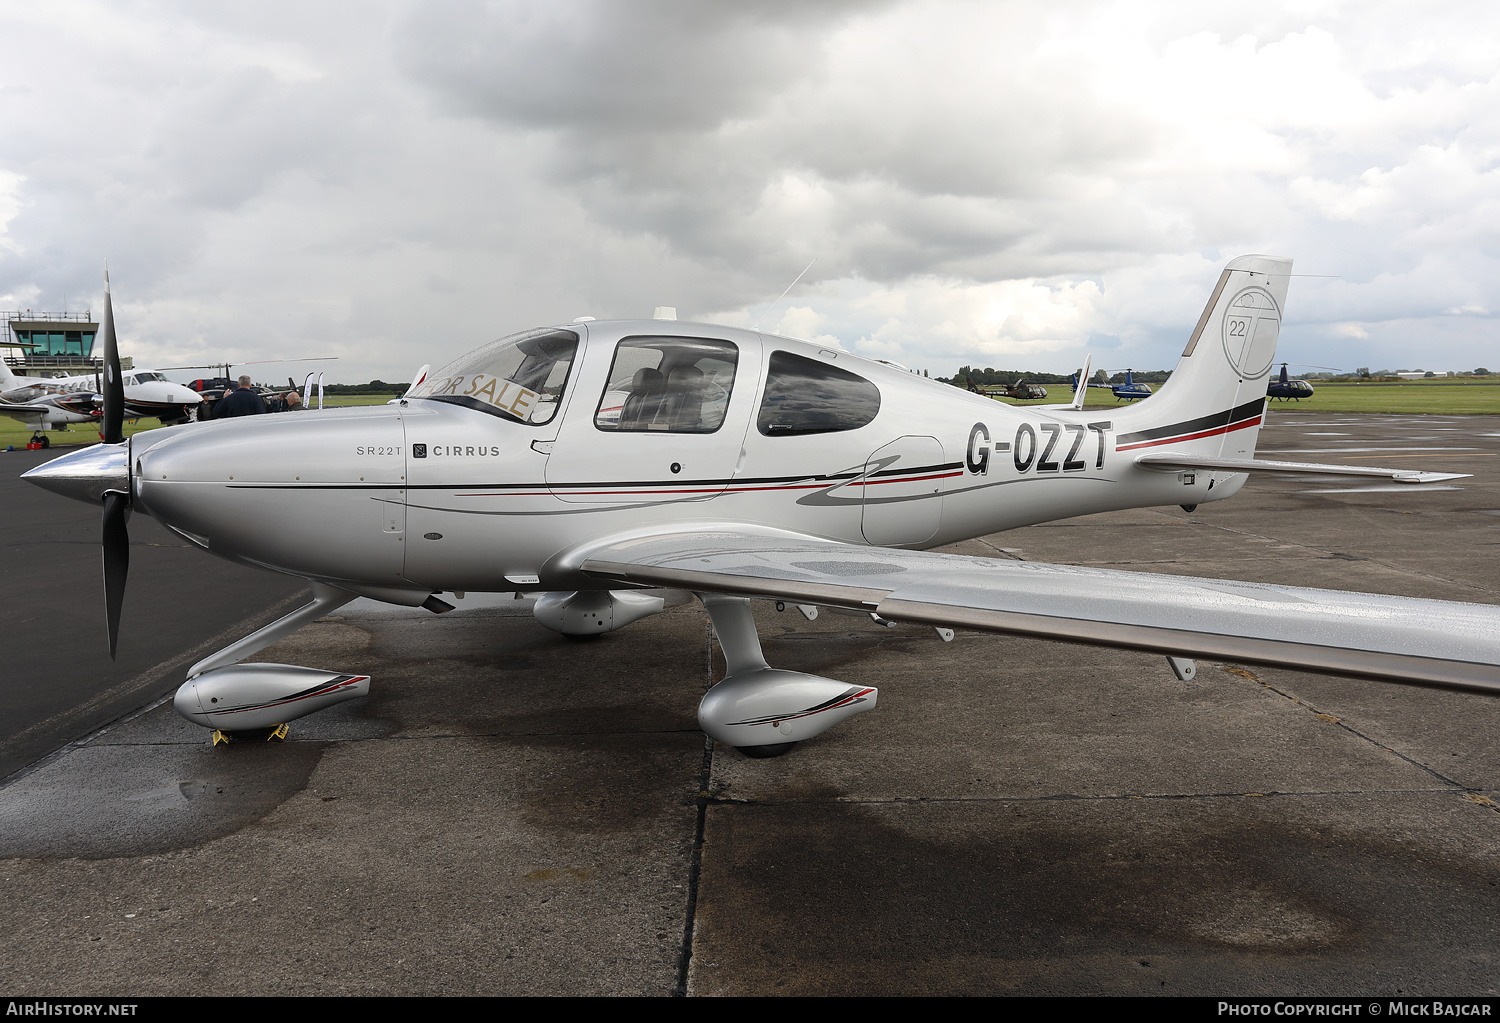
<point x="10" y="205"/>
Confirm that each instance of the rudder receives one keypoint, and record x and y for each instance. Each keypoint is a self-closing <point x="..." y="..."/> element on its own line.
<point x="1214" y="401"/>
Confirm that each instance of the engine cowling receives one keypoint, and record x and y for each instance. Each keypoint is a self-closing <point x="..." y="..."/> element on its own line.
<point x="242" y="697"/>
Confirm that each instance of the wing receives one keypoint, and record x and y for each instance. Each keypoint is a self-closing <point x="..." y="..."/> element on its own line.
<point x="24" y="412"/>
<point x="1393" y="639"/>
<point x="1174" y="460"/>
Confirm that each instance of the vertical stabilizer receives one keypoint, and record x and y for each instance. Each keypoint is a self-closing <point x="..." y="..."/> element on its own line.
<point x="1214" y="402"/>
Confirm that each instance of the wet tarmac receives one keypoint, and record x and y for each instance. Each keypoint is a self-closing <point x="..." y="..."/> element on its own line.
<point x="58" y="681"/>
<point x="511" y="812"/>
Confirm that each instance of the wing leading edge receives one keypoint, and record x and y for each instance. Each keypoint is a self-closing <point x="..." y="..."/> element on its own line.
<point x="19" y="410"/>
<point x="1408" y="640"/>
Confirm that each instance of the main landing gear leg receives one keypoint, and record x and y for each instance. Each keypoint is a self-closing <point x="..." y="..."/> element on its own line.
<point x="764" y="711"/>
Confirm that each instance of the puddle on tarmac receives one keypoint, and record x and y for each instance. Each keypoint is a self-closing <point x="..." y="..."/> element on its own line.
<point x="135" y="800"/>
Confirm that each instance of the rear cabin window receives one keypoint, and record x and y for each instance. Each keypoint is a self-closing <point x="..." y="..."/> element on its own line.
<point x="807" y="396"/>
<point x="668" y="385"/>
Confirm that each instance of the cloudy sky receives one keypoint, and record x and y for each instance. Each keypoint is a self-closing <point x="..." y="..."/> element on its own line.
<point x="1001" y="184"/>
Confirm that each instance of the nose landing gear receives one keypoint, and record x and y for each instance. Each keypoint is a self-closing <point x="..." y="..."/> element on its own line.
<point x="276" y="733"/>
<point x="253" y="702"/>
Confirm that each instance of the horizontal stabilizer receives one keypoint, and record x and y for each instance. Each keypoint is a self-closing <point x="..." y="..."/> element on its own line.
<point x="1173" y="460"/>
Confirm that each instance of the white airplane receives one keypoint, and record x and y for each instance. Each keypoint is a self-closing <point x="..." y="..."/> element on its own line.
<point x="597" y="459"/>
<point x="147" y="394"/>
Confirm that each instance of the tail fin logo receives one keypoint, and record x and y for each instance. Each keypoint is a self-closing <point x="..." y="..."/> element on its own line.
<point x="1250" y="328"/>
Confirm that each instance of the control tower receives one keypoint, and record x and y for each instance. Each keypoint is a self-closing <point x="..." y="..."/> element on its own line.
<point x="50" y="344"/>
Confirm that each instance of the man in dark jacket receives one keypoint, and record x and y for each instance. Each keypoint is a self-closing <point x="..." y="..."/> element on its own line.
<point x="239" y="401"/>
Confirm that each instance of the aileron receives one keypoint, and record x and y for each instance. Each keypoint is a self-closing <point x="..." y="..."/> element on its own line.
<point x="1176" y="460"/>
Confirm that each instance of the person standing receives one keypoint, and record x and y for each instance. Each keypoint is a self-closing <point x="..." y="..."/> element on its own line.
<point x="240" y="401"/>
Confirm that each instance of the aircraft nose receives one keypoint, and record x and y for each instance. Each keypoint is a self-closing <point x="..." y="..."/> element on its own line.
<point x="86" y="474"/>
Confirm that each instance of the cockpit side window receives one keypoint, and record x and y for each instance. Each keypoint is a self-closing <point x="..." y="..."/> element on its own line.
<point x="668" y="384"/>
<point x="520" y="377"/>
<point x="807" y="396"/>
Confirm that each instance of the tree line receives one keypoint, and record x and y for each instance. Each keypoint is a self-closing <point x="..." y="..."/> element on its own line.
<point x="373" y="387"/>
<point x="990" y="377"/>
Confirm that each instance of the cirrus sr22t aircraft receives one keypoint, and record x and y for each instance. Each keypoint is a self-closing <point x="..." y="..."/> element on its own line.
<point x="598" y="459"/>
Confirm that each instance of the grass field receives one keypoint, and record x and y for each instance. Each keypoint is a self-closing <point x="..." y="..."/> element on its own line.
<point x="1449" y="398"/>
<point x="15" y="434"/>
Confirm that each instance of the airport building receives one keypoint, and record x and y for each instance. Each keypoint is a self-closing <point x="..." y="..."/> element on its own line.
<point x="50" y="344"/>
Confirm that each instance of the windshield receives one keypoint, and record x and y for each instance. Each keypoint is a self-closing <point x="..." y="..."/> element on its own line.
<point x="520" y="377"/>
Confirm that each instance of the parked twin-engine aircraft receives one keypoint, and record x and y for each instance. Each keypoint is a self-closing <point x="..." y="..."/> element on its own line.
<point x="596" y="459"/>
<point x="147" y="394"/>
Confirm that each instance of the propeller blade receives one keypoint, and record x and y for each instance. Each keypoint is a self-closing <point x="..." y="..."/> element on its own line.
<point x="111" y="427"/>
<point x="116" y="561"/>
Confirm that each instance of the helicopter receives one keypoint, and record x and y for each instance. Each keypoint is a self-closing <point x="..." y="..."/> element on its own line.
<point x="1020" y="390"/>
<point x="1129" y="390"/>
<point x="1284" y="388"/>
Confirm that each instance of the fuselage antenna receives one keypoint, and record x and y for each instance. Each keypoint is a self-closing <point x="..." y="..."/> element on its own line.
<point x="789" y="287"/>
